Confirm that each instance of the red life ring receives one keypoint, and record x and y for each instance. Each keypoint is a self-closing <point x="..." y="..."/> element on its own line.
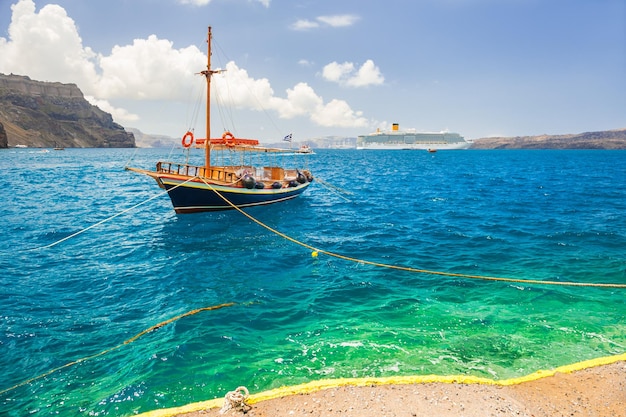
<point x="187" y="143"/>
<point x="228" y="135"/>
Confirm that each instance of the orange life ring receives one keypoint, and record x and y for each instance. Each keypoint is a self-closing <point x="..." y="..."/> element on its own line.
<point x="229" y="139"/>
<point x="188" y="135"/>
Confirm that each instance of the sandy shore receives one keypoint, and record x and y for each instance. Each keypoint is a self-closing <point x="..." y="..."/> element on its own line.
<point x="597" y="391"/>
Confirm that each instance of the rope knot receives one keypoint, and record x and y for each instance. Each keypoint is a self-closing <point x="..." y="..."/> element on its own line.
<point x="235" y="400"/>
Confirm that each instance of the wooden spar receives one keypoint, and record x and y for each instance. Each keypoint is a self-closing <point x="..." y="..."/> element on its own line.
<point x="208" y="73"/>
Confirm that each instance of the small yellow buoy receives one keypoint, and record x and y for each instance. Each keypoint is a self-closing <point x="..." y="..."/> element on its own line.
<point x="314" y="254"/>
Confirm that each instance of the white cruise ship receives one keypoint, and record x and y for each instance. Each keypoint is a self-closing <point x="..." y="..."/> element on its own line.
<point x="397" y="139"/>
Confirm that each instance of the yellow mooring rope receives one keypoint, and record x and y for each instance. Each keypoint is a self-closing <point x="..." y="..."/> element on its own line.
<point x="409" y="269"/>
<point x="317" y="251"/>
<point x="126" y="342"/>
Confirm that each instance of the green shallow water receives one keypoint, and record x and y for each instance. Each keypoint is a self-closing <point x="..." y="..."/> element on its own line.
<point x="551" y="215"/>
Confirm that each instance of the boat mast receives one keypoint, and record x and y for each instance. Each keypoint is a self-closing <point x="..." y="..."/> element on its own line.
<point x="207" y="74"/>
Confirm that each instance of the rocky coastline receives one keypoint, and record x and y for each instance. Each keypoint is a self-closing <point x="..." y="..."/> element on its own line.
<point x="40" y="114"/>
<point x="609" y="139"/>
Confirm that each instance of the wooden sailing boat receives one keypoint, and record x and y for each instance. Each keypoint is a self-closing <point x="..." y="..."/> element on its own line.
<point x="212" y="186"/>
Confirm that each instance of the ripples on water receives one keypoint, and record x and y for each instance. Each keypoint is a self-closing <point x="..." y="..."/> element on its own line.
<point x="548" y="215"/>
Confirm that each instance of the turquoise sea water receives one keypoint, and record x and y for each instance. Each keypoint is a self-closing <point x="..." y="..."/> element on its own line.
<point x="541" y="215"/>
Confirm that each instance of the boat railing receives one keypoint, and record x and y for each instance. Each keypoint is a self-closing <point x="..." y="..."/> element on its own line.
<point x="223" y="174"/>
<point x="230" y="174"/>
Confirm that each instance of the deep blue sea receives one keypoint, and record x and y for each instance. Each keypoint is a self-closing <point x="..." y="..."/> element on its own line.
<point x="69" y="308"/>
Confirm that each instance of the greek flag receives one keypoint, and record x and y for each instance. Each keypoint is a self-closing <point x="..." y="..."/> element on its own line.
<point x="288" y="138"/>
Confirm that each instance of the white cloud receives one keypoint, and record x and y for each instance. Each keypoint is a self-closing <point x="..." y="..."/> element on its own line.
<point x="301" y="100"/>
<point x="121" y="115"/>
<point x="265" y="3"/>
<point x="149" y="69"/>
<point x="195" y="2"/>
<point x="46" y="46"/>
<point x="337" y="113"/>
<point x="304" y="24"/>
<point x="368" y="74"/>
<point x="344" y="74"/>
<point x="243" y="91"/>
<point x="338" y="20"/>
<point x="236" y="88"/>
<point x="337" y="72"/>
<point x="332" y="21"/>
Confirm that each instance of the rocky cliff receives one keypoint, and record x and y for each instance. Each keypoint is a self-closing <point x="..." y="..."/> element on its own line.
<point x="609" y="139"/>
<point x="47" y="114"/>
<point x="4" y="142"/>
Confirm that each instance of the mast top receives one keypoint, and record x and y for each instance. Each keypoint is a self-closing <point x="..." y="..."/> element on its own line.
<point x="207" y="74"/>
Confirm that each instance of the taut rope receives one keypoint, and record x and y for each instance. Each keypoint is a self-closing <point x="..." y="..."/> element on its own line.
<point x="409" y="269"/>
<point x="107" y="219"/>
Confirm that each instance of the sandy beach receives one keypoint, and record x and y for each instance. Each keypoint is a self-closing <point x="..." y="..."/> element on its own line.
<point x="596" y="391"/>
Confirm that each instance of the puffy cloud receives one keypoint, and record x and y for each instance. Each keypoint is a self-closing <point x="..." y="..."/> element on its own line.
<point x="149" y="69"/>
<point x="301" y="100"/>
<point x="368" y="74"/>
<point x="337" y="113"/>
<point x="46" y="46"/>
<point x="236" y="88"/>
<point x="337" y="72"/>
<point x="246" y="92"/>
<point x="344" y="74"/>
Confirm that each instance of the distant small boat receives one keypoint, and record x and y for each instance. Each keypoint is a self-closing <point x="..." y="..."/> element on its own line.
<point x="241" y="173"/>
<point x="21" y="146"/>
<point x="58" y="148"/>
<point x="432" y="150"/>
<point x="305" y="149"/>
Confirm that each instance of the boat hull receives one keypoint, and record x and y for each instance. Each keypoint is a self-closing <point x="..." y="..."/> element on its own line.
<point x="194" y="197"/>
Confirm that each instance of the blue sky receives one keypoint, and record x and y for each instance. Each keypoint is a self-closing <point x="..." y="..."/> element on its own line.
<point x="333" y="67"/>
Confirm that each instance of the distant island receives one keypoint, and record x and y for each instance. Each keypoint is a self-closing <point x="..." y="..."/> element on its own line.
<point x="49" y="114"/>
<point x="609" y="139"/>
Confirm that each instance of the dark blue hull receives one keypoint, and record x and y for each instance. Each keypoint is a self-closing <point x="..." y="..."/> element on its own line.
<point x="193" y="197"/>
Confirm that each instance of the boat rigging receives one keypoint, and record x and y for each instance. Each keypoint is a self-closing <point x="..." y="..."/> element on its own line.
<point x="229" y="185"/>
